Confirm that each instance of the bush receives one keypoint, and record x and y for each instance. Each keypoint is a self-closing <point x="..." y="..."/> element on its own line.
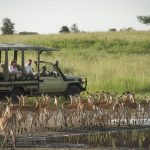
<point x="27" y="33"/>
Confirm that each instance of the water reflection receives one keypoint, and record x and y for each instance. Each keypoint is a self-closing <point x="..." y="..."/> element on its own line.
<point x="124" y="138"/>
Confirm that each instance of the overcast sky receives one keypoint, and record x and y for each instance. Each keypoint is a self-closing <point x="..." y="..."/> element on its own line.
<point x="48" y="16"/>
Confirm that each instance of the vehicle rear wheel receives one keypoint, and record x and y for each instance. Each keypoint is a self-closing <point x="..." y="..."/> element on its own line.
<point x="16" y="92"/>
<point x="73" y="90"/>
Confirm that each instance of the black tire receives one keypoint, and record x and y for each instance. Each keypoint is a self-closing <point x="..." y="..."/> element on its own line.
<point x="16" y="92"/>
<point x="73" y="90"/>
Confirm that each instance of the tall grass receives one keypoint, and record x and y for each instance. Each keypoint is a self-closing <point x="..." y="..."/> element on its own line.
<point x="110" y="72"/>
<point x="114" y="62"/>
<point x="110" y="42"/>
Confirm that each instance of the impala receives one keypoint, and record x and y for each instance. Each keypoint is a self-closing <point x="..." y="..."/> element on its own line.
<point x="8" y="126"/>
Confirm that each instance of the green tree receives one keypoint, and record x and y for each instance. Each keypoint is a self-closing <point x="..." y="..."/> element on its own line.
<point x="144" y="19"/>
<point x="74" y="28"/>
<point x="64" y="29"/>
<point x="127" y="29"/>
<point x="112" y="30"/>
<point x="27" y="33"/>
<point x="7" y="26"/>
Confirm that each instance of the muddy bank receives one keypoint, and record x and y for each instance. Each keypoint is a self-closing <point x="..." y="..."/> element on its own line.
<point x="100" y="148"/>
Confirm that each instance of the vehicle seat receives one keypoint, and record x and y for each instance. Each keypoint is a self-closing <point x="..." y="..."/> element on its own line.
<point x="19" y="67"/>
<point x="1" y="72"/>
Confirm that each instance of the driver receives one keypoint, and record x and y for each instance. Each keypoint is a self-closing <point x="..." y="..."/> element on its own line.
<point x="43" y="71"/>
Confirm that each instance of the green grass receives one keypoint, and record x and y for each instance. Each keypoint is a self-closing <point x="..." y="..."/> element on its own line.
<point x="114" y="62"/>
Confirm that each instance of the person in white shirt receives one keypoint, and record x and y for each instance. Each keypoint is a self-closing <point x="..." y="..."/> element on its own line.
<point x="28" y="67"/>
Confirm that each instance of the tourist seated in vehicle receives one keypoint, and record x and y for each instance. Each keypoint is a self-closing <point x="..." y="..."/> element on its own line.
<point x="13" y="67"/>
<point x="29" y="69"/>
<point x="14" y="72"/>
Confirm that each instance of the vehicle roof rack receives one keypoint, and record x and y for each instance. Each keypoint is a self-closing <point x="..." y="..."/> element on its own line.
<point x="21" y="46"/>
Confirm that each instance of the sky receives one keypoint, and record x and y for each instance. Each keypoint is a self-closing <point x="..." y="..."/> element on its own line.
<point x="48" y="16"/>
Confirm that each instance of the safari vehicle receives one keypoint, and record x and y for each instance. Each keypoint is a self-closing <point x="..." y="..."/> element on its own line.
<point x="48" y="79"/>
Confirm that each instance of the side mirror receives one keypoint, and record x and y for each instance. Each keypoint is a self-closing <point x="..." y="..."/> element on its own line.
<point x="57" y="63"/>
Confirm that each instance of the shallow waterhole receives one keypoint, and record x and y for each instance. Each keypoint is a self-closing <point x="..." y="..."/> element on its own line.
<point x="138" y="138"/>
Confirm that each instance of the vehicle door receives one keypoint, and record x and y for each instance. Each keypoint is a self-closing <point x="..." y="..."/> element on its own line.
<point x="51" y="81"/>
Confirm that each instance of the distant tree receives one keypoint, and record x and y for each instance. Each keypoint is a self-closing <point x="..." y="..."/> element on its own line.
<point x="7" y="26"/>
<point x="64" y="29"/>
<point x="27" y="33"/>
<point x="144" y="19"/>
<point x="127" y="29"/>
<point x="74" y="28"/>
<point x="112" y="30"/>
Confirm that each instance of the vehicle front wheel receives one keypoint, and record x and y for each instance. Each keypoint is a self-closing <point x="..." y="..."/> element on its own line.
<point x="73" y="90"/>
<point x="16" y="92"/>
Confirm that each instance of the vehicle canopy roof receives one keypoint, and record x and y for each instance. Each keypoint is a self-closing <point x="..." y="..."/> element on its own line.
<point x="21" y="46"/>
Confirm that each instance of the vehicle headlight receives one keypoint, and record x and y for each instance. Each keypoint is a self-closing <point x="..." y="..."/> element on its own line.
<point x="83" y="80"/>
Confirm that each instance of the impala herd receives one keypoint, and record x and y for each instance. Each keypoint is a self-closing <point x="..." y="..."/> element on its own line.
<point x="97" y="110"/>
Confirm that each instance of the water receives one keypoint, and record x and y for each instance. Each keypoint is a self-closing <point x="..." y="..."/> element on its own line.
<point x="135" y="138"/>
<point x="123" y="138"/>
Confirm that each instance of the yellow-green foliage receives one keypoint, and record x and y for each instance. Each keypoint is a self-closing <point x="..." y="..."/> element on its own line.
<point x="112" y="61"/>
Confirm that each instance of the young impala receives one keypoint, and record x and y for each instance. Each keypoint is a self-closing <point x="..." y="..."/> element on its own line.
<point x="8" y="125"/>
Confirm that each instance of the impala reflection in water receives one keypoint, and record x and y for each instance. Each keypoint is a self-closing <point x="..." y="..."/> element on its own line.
<point x="124" y="138"/>
<point x="136" y="139"/>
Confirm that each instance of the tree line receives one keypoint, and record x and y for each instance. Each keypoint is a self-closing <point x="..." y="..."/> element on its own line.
<point x="8" y="27"/>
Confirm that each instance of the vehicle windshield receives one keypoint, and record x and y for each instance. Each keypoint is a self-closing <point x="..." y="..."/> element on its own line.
<point x="48" y="69"/>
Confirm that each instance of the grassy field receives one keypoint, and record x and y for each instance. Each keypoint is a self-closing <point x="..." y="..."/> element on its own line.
<point x="112" y="61"/>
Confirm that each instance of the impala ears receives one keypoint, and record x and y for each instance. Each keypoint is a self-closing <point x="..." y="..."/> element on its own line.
<point x="7" y="98"/>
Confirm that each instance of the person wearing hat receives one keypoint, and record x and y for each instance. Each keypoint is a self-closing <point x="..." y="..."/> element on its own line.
<point x="28" y="68"/>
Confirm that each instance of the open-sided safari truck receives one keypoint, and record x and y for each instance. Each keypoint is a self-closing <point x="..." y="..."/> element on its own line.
<point x="48" y="77"/>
